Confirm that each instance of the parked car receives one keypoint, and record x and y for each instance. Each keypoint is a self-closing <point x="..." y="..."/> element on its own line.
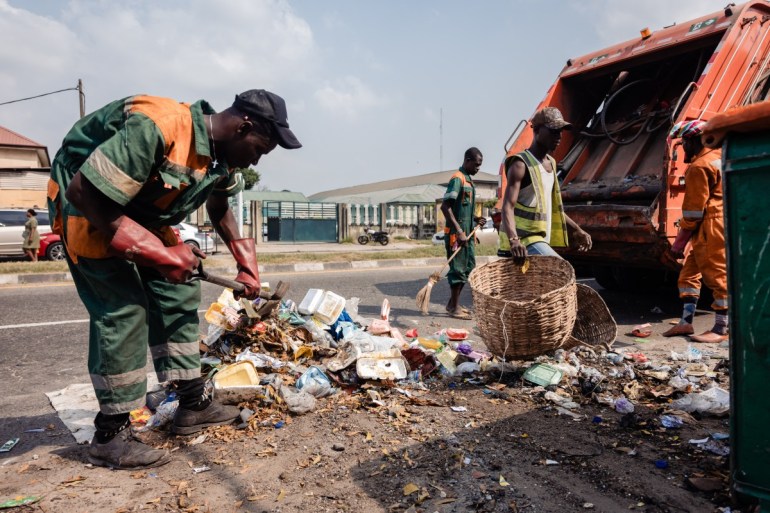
<point x="190" y="235"/>
<point x="486" y="235"/>
<point x="51" y="247"/>
<point x="12" y="226"/>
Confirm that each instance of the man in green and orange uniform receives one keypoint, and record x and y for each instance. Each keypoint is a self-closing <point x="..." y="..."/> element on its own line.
<point x="124" y="175"/>
<point x="457" y="207"/>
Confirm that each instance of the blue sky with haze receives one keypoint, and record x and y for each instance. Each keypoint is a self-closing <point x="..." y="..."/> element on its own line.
<point x="364" y="81"/>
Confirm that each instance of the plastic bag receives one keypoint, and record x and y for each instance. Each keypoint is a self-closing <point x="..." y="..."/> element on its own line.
<point x="315" y="382"/>
<point x="468" y="368"/>
<point x="623" y="405"/>
<point x="351" y="307"/>
<point x="213" y="334"/>
<point x="298" y="401"/>
<point x="163" y="414"/>
<point x="714" y="400"/>
<point x="320" y="336"/>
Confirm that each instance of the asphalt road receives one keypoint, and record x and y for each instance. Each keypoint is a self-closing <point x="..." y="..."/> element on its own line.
<point x="44" y="329"/>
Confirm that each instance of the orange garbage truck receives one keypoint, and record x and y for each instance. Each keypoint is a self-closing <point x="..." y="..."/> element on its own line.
<point x="621" y="179"/>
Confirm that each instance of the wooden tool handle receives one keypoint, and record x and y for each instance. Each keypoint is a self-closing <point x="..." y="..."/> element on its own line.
<point x="458" y="250"/>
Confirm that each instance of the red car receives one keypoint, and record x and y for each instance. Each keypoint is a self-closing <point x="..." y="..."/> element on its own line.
<point x="52" y="248"/>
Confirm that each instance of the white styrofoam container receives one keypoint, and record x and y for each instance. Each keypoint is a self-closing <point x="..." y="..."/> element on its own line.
<point x="374" y="366"/>
<point x="330" y="308"/>
<point x="310" y="303"/>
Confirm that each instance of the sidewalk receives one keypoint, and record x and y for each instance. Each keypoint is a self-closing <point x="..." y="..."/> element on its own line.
<point x="221" y="263"/>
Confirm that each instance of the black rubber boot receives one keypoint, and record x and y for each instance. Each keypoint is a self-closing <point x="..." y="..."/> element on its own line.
<point x="197" y="410"/>
<point x="115" y="446"/>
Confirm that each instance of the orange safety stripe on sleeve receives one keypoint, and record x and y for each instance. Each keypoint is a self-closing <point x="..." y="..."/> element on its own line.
<point x="53" y="195"/>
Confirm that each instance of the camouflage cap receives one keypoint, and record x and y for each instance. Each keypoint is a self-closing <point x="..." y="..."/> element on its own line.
<point x="550" y="117"/>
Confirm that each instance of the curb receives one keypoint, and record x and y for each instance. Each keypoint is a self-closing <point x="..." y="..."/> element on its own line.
<point x="303" y="267"/>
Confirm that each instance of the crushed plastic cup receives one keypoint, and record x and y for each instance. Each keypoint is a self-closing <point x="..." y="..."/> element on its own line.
<point x="385" y="310"/>
<point x="693" y="354"/>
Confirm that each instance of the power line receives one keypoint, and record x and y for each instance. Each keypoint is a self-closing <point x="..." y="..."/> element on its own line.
<point x="78" y="88"/>
<point x="40" y="95"/>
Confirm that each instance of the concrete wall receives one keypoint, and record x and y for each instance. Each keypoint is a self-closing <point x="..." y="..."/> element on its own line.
<point x="19" y="157"/>
<point x="15" y="198"/>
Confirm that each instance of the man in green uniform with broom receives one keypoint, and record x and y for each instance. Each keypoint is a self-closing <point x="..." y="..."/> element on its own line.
<point x="457" y="207"/>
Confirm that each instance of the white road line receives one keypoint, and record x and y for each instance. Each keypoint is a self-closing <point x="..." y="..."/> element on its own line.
<point x="51" y="323"/>
<point x="38" y="324"/>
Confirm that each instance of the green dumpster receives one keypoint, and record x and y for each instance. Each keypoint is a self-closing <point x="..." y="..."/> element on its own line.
<point x="746" y="172"/>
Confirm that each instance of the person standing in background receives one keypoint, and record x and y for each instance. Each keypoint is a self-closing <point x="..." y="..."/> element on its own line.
<point x="31" y="236"/>
<point x="457" y="207"/>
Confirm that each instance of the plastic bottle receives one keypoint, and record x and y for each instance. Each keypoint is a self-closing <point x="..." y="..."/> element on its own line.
<point x="429" y="343"/>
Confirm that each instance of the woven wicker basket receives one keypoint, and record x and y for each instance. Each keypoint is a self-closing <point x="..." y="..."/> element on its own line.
<point x="594" y="325"/>
<point x="523" y="315"/>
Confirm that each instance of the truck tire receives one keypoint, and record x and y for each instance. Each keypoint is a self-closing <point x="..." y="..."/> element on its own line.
<point x="604" y="277"/>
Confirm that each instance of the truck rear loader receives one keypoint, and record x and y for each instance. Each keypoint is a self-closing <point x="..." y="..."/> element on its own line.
<point x="622" y="179"/>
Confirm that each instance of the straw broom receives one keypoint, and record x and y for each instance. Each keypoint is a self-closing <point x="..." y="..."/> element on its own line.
<point x="423" y="296"/>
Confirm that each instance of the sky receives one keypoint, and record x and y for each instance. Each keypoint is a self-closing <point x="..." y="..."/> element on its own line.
<point x="374" y="90"/>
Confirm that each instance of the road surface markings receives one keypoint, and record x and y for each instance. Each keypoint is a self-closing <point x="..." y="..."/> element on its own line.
<point x="51" y="323"/>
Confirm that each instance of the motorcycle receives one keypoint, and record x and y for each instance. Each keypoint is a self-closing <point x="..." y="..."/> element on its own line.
<point x="370" y="235"/>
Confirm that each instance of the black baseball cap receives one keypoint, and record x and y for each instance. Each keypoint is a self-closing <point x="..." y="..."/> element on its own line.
<point x="271" y="107"/>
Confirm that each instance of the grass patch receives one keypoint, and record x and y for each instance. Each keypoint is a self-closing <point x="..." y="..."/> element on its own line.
<point x="42" y="266"/>
<point x="222" y="260"/>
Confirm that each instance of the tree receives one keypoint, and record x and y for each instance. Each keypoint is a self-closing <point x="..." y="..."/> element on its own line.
<point x="250" y="176"/>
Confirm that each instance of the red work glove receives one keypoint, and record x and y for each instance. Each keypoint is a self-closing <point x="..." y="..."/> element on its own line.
<point x="134" y="242"/>
<point x="682" y="238"/>
<point x="245" y="253"/>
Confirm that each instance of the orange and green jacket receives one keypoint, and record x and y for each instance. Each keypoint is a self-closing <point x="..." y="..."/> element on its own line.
<point x="149" y="155"/>
<point x="462" y="192"/>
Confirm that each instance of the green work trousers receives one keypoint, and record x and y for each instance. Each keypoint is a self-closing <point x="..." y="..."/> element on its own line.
<point x="462" y="265"/>
<point x="131" y="308"/>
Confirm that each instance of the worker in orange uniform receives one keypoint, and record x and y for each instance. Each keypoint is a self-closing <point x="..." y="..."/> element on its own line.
<point x="702" y="225"/>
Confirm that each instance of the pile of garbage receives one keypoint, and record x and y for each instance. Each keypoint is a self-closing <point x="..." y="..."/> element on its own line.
<point x="285" y="362"/>
<point x="288" y="361"/>
<point x="679" y="387"/>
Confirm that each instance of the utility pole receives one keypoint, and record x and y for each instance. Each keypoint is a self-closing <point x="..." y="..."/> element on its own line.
<point x="82" y="97"/>
<point x="441" y="139"/>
